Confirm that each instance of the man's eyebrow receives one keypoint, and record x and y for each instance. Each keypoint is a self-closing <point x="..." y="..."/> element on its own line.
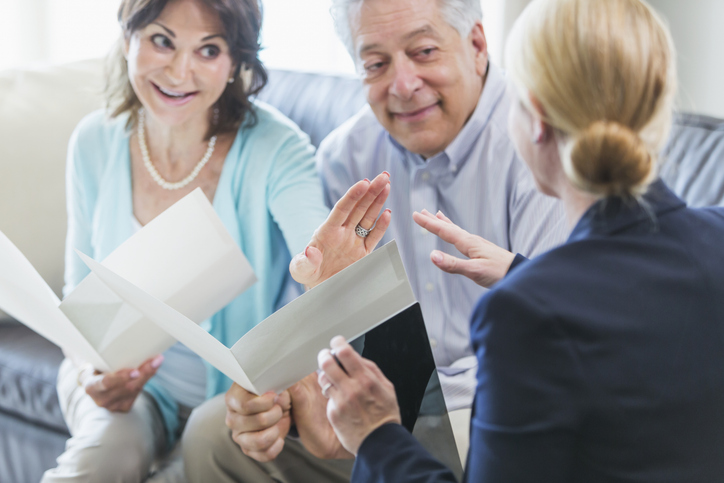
<point x="367" y="48"/>
<point x="427" y="30"/>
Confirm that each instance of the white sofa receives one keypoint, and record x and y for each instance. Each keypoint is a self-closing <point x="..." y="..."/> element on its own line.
<point x="39" y="108"/>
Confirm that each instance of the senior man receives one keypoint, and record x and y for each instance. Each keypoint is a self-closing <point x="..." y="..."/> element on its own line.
<point x="436" y="121"/>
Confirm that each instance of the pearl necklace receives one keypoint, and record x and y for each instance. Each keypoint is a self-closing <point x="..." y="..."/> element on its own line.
<point x="167" y="185"/>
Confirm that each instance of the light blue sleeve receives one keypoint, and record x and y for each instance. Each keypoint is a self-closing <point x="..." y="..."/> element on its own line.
<point x="294" y="190"/>
<point x="79" y="194"/>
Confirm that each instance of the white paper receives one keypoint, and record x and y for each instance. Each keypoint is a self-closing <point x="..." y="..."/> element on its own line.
<point x="184" y="257"/>
<point x="283" y="348"/>
<point x="182" y="328"/>
<point x="25" y="296"/>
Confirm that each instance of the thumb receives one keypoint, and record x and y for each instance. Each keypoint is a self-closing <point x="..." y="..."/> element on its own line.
<point x="305" y="266"/>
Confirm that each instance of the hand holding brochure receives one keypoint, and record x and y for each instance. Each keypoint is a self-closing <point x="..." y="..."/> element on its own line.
<point x="283" y="348"/>
<point x="184" y="257"/>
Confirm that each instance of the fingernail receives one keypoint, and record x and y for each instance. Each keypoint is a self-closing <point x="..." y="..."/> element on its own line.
<point x="367" y="180"/>
<point x="306" y="252"/>
<point x="436" y="256"/>
<point x="134" y="374"/>
<point x="439" y="212"/>
<point x="388" y="211"/>
<point x="388" y="174"/>
<point x="157" y="362"/>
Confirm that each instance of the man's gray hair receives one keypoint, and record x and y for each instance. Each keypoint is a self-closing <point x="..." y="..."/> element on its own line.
<point x="460" y="14"/>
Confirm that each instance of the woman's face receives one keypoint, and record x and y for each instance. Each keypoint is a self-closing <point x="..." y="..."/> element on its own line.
<point x="535" y="143"/>
<point x="179" y="64"/>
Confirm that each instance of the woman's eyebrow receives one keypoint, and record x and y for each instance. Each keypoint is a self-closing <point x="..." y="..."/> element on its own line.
<point x="173" y="35"/>
<point x="170" y="32"/>
<point x="212" y="36"/>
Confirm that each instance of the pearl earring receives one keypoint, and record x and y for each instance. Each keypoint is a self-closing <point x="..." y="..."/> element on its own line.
<point x="231" y="80"/>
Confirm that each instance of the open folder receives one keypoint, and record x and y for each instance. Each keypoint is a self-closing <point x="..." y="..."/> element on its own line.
<point x="283" y="348"/>
<point x="185" y="257"/>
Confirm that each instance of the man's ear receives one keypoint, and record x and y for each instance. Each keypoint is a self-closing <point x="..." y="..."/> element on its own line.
<point x="480" y="47"/>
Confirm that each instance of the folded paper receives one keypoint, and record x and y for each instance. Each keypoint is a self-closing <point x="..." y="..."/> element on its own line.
<point x="283" y="348"/>
<point x="184" y="257"/>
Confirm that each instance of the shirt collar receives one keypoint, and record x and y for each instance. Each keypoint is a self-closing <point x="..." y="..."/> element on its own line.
<point x="613" y="214"/>
<point x="457" y="152"/>
<point x="459" y="149"/>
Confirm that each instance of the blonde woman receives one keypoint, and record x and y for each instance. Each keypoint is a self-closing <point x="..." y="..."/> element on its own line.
<point x="603" y="359"/>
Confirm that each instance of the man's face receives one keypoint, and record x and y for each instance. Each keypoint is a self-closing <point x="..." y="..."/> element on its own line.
<point x="422" y="79"/>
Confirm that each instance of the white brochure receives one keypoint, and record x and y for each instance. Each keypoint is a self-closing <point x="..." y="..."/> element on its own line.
<point x="283" y="349"/>
<point x="184" y="257"/>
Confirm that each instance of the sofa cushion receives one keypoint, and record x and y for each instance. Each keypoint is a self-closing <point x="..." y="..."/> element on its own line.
<point x="27" y="450"/>
<point x="317" y="103"/>
<point x="28" y="372"/>
<point x="693" y="160"/>
<point x="39" y="108"/>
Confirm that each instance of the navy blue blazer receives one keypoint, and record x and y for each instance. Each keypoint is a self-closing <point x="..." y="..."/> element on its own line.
<point x="599" y="361"/>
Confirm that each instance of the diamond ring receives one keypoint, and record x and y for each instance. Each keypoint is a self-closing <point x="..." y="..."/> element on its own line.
<point x="361" y="232"/>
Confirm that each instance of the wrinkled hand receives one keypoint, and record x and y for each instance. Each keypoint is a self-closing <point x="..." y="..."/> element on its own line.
<point x="335" y="245"/>
<point x="360" y="400"/>
<point x="117" y="391"/>
<point x="487" y="264"/>
<point x="258" y="424"/>
<point x="309" y="412"/>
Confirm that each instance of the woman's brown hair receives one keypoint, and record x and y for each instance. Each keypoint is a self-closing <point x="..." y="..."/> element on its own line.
<point x="242" y="22"/>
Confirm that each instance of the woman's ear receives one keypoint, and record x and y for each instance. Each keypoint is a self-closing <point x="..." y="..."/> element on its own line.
<point x="126" y="45"/>
<point x="542" y="131"/>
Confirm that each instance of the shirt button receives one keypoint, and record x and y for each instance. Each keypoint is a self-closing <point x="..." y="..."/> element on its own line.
<point x="433" y="343"/>
<point x="425" y="176"/>
<point x="429" y="287"/>
<point x="454" y="168"/>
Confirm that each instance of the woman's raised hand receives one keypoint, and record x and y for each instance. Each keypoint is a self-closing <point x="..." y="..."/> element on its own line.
<point x="335" y="244"/>
<point x="487" y="263"/>
<point x="117" y="391"/>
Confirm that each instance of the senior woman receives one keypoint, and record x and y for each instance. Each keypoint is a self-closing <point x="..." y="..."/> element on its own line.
<point x="603" y="359"/>
<point x="182" y="118"/>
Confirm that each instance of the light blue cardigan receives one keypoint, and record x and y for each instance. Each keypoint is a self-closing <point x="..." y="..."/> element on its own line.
<point x="268" y="197"/>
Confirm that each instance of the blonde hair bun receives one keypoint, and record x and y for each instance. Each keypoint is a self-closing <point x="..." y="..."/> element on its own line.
<point x="610" y="159"/>
<point x="604" y="74"/>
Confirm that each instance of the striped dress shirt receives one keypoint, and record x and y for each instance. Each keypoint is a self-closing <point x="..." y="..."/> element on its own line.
<point x="479" y="183"/>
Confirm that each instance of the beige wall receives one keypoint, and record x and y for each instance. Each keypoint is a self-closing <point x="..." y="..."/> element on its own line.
<point x="698" y="30"/>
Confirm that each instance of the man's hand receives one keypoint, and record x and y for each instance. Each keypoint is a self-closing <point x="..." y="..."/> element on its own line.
<point x="309" y="412"/>
<point x="361" y="398"/>
<point x="117" y="391"/>
<point x="258" y="424"/>
<point x="335" y="245"/>
<point x="487" y="264"/>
